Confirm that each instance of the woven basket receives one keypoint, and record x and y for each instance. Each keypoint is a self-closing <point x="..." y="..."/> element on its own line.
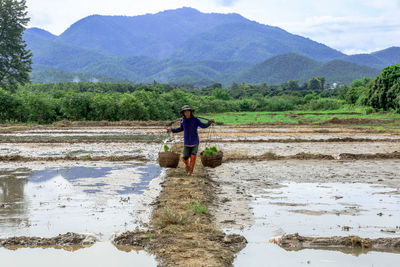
<point x="211" y="161"/>
<point x="168" y="159"/>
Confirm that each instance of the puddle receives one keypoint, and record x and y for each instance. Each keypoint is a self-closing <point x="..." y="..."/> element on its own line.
<point x="101" y="254"/>
<point x="81" y="199"/>
<point x="329" y="209"/>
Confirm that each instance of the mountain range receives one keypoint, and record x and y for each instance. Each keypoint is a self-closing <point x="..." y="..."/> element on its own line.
<point x="187" y="46"/>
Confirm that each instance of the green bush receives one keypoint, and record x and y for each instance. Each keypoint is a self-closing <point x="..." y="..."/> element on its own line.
<point x="324" y="104"/>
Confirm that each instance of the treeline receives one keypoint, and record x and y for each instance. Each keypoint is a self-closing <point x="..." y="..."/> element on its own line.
<point x="316" y="84"/>
<point x="380" y="93"/>
<point x="47" y="103"/>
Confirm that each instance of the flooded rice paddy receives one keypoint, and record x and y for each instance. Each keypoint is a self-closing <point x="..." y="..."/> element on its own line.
<point x="102" y="200"/>
<point x="258" y="200"/>
<point x="317" y="199"/>
<point x="101" y="254"/>
<point x="84" y="199"/>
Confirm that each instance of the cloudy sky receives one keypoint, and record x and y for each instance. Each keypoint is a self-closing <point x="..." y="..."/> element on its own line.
<point x="351" y="26"/>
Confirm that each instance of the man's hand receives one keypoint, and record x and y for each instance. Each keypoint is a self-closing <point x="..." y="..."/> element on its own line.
<point x="212" y="120"/>
<point x="169" y="130"/>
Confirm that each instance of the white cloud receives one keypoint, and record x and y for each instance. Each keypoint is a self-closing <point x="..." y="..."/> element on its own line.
<point x="228" y="3"/>
<point x="347" y="25"/>
<point x="351" y="34"/>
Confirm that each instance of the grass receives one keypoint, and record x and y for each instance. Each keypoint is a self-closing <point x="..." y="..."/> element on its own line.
<point x="252" y="117"/>
<point x="308" y="117"/>
<point x="197" y="207"/>
<point x="169" y="216"/>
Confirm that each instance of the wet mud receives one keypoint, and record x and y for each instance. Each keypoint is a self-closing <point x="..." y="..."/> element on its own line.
<point x="309" y="156"/>
<point x="297" y="242"/>
<point x="13" y="158"/>
<point x="315" y="198"/>
<point x="355" y="121"/>
<point x="68" y="241"/>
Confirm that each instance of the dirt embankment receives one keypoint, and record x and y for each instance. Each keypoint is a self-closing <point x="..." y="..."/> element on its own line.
<point x="135" y="139"/>
<point x="298" y="242"/>
<point x="296" y="140"/>
<point x="13" y="158"/>
<point x="182" y="231"/>
<point x="354" y="121"/>
<point x="68" y="241"/>
<point x="350" y="156"/>
<point x="231" y="157"/>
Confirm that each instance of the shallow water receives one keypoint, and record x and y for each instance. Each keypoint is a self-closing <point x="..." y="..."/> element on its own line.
<point x="102" y="254"/>
<point x="313" y="209"/>
<point x="80" y="199"/>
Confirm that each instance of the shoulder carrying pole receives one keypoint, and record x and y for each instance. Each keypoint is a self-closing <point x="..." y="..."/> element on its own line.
<point x="172" y="122"/>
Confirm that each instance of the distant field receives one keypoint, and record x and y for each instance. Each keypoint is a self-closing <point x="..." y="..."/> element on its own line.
<point x="378" y="121"/>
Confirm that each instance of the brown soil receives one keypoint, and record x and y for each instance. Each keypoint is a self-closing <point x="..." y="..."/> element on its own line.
<point x="309" y="156"/>
<point x="65" y="123"/>
<point x="68" y="241"/>
<point x="111" y="140"/>
<point x="349" y="156"/>
<point x="329" y="140"/>
<point x="335" y="120"/>
<point x="273" y="156"/>
<point x="77" y="141"/>
<point x="297" y="242"/>
<point x="336" y="113"/>
<point x="179" y="234"/>
<point x="11" y="158"/>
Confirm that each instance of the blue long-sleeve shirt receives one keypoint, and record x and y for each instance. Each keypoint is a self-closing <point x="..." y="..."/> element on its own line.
<point x="189" y="126"/>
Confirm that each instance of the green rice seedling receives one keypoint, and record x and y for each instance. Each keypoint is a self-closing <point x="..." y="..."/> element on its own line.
<point x="167" y="148"/>
<point x="211" y="151"/>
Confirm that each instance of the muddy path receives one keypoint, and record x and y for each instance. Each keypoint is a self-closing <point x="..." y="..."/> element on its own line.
<point x="182" y="231"/>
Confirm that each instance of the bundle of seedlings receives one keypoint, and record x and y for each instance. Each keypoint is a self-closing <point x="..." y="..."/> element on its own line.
<point x="211" y="157"/>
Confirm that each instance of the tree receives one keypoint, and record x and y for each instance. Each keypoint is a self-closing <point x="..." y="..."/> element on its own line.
<point x="316" y="83"/>
<point x="384" y="91"/>
<point x="15" y="58"/>
<point x="290" y="85"/>
<point x="76" y="106"/>
<point x="132" y="109"/>
<point x="221" y="94"/>
<point x="6" y="105"/>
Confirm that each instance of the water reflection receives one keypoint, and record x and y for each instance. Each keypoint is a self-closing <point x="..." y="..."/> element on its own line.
<point x="13" y="207"/>
<point x="102" y="254"/>
<point x="312" y="209"/>
<point x="79" y="199"/>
